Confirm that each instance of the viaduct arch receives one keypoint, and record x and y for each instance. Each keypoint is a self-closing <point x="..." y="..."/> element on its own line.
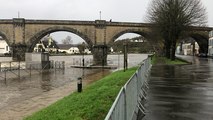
<point x="35" y="38"/>
<point x="140" y="32"/>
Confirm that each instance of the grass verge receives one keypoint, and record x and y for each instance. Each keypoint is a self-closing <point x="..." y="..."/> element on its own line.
<point x="163" y="60"/>
<point x="92" y="104"/>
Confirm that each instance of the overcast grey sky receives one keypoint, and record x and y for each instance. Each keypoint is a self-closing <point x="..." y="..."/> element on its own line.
<point x="117" y="10"/>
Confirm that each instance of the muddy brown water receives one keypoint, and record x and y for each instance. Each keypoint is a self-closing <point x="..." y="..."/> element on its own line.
<point x="24" y="96"/>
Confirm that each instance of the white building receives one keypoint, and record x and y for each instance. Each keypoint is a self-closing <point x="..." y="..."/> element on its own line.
<point x="4" y="48"/>
<point x="187" y="49"/>
<point x="210" y="50"/>
<point x="47" y="44"/>
<point x="39" y="47"/>
<point x="71" y="49"/>
<point x="87" y="51"/>
<point x="68" y="48"/>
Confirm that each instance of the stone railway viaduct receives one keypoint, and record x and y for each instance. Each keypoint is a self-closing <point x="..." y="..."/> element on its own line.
<point x="22" y="34"/>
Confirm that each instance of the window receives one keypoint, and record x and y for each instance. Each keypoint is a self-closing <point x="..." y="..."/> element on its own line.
<point x="7" y="48"/>
<point x="211" y="34"/>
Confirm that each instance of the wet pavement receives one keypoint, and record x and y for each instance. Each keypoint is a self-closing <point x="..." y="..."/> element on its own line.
<point x="182" y="92"/>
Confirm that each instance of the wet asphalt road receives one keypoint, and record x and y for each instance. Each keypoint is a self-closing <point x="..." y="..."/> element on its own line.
<point x="183" y="92"/>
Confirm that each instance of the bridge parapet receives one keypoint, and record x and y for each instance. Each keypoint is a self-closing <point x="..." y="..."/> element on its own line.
<point x="100" y="24"/>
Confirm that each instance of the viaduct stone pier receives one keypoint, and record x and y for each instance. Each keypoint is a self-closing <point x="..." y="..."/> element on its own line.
<point x="23" y="34"/>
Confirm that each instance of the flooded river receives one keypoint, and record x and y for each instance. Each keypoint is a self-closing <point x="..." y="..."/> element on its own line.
<point x="22" y="97"/>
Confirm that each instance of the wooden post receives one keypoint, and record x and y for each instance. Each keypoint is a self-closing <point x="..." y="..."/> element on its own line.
<point x="10" y="65"/>
<point x="30" y="70"/>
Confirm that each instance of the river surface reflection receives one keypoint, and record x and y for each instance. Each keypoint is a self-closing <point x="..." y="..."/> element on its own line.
<point x="21" y="97"/>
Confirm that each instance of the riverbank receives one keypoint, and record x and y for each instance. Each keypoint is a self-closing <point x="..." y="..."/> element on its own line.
<point x="93" y="103"/>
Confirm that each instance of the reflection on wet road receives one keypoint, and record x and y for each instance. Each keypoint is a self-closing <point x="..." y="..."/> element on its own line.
<point x="181" y="92"/>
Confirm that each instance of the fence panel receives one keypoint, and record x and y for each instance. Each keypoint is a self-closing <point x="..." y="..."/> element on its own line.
<point x="118" y="111"/>
<point x="131" y="96"/>
<point x="126" y="102"/>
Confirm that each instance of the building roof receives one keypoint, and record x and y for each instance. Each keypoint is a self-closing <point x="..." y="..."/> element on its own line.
<point x="53" y="44"/>
<point x="66" y="46"/>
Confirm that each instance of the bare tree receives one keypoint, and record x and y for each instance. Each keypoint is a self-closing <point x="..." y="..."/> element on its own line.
<point x="173" y="17"/>
<point x="82" y="46"/>
<point x="67" y="40"/>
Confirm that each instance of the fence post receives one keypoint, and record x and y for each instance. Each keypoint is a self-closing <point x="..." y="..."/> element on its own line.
<point x="19" y="69"/>
<point x="55" y="65"/>
<point x="138" y="82"/>
<point x="5" y="75"/>
<point x="125" y="104"/>
<point x="63" y="65"/>
<point x="10" y="65"/>
<point x="30" y="70"/>
<point x="59" y="64"/>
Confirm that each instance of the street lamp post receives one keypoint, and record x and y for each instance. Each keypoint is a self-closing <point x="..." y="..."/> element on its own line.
<point x="118" y="57"/>
<point x="83" y="53"/>
<point x="83" y="64"/>
<point x="100" y="14"/>
<point x="125" y="56"/>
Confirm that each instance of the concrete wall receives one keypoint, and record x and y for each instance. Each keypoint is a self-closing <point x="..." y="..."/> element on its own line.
<point x="37" y="60"/>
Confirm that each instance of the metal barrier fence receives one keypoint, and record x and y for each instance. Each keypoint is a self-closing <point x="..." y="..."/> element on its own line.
<point x="59" y="65"/>
<point x="79" y="61"/>
<point x="17" y="69"/>
<point x="128" y="101"/>
<point x="11" y="65"/>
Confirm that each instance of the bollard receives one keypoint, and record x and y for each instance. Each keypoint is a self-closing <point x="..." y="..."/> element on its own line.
<point x="79" y="84"/>
<point x="30" y="70"/>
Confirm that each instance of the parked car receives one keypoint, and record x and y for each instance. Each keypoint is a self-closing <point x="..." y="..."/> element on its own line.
<point x="7" y="54"/>
<point x="202" y="55"/>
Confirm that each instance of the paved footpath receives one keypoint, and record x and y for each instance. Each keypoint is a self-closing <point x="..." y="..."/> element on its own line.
<point x="183" y="92"/>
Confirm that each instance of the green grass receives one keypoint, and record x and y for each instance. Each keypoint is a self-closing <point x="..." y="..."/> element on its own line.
<point x="164" y="60"/>
<point x="92" y="104"/>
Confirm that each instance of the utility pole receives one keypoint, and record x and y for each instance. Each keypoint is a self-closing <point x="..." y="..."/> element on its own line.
<point x="18" y="14"/>
<point x="100" y="15"/>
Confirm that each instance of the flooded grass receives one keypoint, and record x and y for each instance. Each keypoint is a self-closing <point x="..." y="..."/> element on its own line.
<point x="92" y="104"/>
